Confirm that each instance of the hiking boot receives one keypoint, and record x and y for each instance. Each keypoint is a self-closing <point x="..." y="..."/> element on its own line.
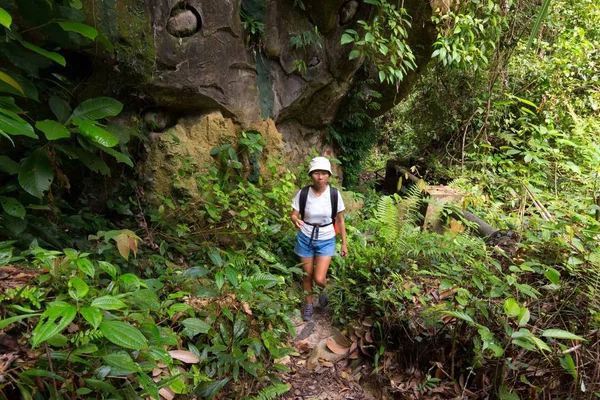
<point x="307" y="312"/>
<point x="323" y="298"/>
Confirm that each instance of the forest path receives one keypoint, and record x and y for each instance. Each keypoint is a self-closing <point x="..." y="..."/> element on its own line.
<point x="316" y="371"/>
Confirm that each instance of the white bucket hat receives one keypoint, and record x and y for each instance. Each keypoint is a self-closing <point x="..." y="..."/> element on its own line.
<point x="319" y="164"/>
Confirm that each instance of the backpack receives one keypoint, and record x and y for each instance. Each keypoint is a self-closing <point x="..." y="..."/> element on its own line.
<point x="333" y="192"/>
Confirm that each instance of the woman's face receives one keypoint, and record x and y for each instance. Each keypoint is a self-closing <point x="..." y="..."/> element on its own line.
<point x="319" y="178"/>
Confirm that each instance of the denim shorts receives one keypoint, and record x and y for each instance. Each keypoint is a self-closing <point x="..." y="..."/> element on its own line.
<point x="316" y="248"/>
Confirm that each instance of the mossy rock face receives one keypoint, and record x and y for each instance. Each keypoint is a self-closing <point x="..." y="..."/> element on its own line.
<point x="127" y="25"/>
<point x="193" y="57"/>
<point x="188" y="144"/>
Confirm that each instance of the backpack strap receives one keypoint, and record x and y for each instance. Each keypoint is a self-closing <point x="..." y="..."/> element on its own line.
<point x="303" y="197"/>
<point x="334" y="202"/>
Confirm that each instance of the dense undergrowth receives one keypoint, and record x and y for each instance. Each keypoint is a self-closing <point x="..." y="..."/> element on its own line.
<point x="517" y="133"/>
<point x="139" y="299"/>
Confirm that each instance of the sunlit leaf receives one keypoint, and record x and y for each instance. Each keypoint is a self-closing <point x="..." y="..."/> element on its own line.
<point x="5" y="18"/>
<point x="346" y="39"/>
<point x="96" y="133"/>
<point x="81" y="288"/>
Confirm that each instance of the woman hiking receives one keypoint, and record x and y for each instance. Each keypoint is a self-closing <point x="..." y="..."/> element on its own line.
<point x="318" y="208"/>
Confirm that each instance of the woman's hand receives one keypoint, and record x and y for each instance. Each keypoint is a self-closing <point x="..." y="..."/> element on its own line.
<point x="344" y="251"/>
<point x="295" y="217"/>
<point x="299" y="223"/>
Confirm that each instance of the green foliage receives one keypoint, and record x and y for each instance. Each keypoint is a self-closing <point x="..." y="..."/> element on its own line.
<point x="468" y="36"/>
<point x="196" y="325"/>
<point x="353" y="131"/>
<point x="34" y="164"/>
<point x="384" y="41"/>
<point x="516" y="131"/>
<point x="302" y="41"/>
<point x="255" y="30"/>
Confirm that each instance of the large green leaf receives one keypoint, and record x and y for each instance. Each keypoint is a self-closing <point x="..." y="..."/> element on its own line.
<point x="36" y="174"/>
<point x="80" y="28"/>
<point x="46" y="328"/>
<point x="561" y="334"/>
<point x="53" y="130"/>
<point x="60" y="108"/>
<point x="12" y="124"/>
<point x="96" y="133"/>
<point x="57" y="58"/>
<point x="9" y="166"/>
<point x="78" y="289"/>
<point x="196" y="326"/>
<point x="15" y="226"/>
<point x="121" y="361"/>
<point x="108" y="303"/>
<point x="5" y="18"/>
<point x="6" y="322"/>
<point x="92" y="315"/>
<point x="12" y="207"/>
<point x="124" y="335"/>
<point x="98" y="108"/>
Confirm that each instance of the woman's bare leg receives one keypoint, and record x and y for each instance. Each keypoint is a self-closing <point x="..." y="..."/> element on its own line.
<point x="307" y="279"/>
<point x="321" y="267"/>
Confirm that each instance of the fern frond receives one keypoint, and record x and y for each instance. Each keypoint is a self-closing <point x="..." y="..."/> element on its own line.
<point x="272" y="392"/>
<point x="386" y="216"/>
<point x="409" y="206"/>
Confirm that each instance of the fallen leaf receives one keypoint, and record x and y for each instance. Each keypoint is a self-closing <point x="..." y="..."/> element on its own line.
<point x="340" y="338"/>
<point x="302" y="346"/>
<point x="369" y="337"/>
<point x="327" y="364"/>
<point x="186" y="356"/>
<point x="353" y="347"/>
<point x="354" y="355"/>
<point x="166" y="393"/>
<point x="284" y="360"/>
<point x="335" y="347"/>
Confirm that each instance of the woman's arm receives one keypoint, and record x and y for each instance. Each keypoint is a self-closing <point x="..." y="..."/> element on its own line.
<point x="296" y="219"/>
<point x="339" y="220"/>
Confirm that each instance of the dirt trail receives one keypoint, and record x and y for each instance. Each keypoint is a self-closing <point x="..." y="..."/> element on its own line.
<point x="316" y="372"/>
